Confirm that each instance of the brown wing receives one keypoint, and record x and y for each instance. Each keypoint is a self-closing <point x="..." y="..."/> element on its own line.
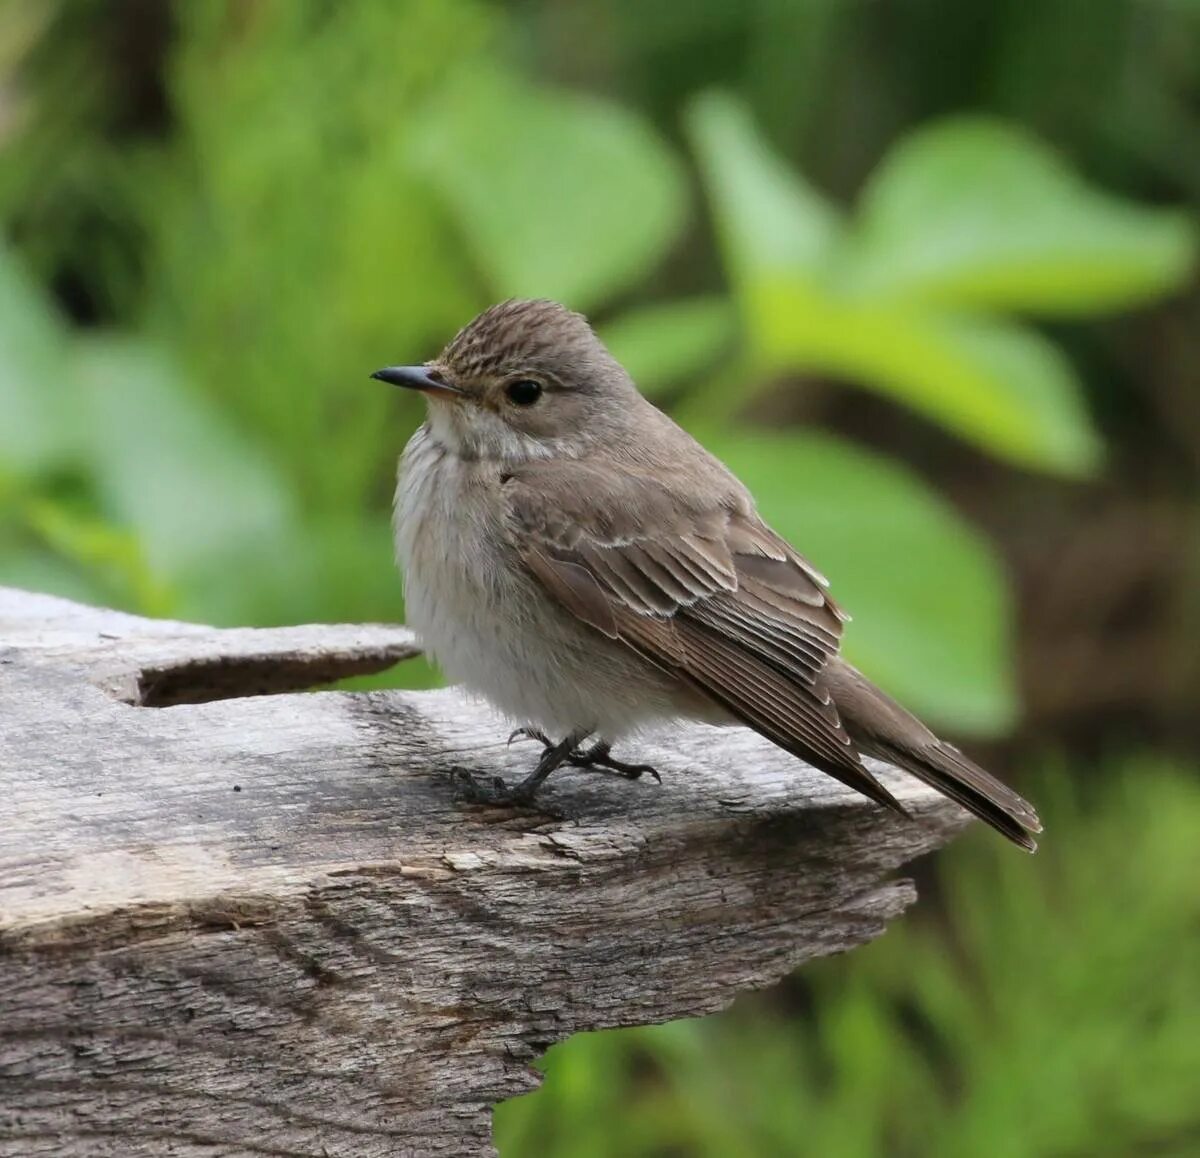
<point x="703" y="589"/>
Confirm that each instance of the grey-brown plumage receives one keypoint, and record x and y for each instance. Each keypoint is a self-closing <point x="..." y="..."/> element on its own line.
<point x="580" y="561"/>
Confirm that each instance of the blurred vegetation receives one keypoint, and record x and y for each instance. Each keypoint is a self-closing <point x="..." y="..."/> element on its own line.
<point x="923" y="274"/>
<point x="1046" y="1020"/>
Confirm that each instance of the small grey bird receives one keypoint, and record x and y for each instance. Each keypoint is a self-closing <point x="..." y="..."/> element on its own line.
<point x="581" y="562"/>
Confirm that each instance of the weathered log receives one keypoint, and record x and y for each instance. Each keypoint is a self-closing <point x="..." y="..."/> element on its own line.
<point x="262" y="924"/>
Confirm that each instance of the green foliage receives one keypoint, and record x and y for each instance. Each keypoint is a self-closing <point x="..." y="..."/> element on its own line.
<point x="38" y="428"/>
<point x="673" y="343"/>
<point x="1053" y="1012"/>
<point x="578" y="229"/>
<point x="964" y="217"/>
<point x="113" y="558"/>
<point x="976" y="213"/>
<point x="293" y="247"/>
<point x="203" y="501"/>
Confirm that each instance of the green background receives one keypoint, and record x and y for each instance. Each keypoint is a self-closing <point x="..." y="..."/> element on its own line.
<point x="923" y="273"/>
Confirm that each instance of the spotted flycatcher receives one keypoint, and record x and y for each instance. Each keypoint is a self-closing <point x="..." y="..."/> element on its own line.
<point x="581" y="562"/>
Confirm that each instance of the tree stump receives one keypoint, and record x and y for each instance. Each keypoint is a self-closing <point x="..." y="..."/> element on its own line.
<point x="238" y="923"/>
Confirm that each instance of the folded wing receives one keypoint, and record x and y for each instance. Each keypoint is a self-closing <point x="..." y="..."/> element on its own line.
<point x="701" y="588"/>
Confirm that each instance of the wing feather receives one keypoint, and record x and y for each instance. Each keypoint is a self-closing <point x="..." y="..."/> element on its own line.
<point x="710" y="557"/>
<point x="791" y="654"/>
<point x="626" y="581"/>
<point x="805" y="726"/>
<point x="575" y="587"/>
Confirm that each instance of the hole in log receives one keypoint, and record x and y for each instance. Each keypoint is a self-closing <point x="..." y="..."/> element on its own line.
<point x="201" y="681"/>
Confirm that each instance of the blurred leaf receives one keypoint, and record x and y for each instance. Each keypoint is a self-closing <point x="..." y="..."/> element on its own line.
<point x="810" y="303"/>
<point x="976" y="212"/>
<point x="400" y="271"/>
<point x="769" y="219"/>
<point x="932" y="621"/>
<point x="357" y="575"/>
<point x="293" y="247"/>
<point x="661" y="345"/>
<point x="204" y="501"/>
<point x="112" y="558"/>
<point x="1005" y="388"/>
<point x="560" y="195"/>
<point x="37" y="418"/>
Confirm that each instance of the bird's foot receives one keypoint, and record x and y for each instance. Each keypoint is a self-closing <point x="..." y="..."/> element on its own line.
<point x="487" y="790"/>
<point x="599" y="759"/>
<point x="495" y="791"/>
<point x="595" y="759"/>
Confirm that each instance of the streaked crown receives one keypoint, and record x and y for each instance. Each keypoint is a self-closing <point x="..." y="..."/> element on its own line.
<point x="523" y="335"/>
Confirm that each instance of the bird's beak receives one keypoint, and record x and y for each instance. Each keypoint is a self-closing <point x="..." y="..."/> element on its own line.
<point x="417" y="378"/>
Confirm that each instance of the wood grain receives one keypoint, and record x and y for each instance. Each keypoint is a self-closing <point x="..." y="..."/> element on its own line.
<point x="240" y="924"/>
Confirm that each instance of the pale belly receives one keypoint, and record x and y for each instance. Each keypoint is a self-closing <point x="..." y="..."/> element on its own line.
<point x="491" y="627"/>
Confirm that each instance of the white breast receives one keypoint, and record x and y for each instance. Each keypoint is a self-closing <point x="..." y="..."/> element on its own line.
<point x="487" y="623"/>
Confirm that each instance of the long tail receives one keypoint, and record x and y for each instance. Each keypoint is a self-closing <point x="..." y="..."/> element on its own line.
<point x="880" y="727"/>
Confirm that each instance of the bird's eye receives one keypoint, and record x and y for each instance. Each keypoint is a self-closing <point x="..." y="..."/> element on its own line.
<point x="523" y="392"/>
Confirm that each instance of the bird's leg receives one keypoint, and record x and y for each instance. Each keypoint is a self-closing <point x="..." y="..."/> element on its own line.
<point x="598" y="757"/>
<point x="554" y="756"/>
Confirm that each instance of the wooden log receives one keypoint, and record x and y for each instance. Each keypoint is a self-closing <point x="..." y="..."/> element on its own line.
<point x="241" y="924"/>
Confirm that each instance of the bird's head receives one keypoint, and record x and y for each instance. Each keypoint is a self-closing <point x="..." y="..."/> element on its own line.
<point x="526" y="379"/>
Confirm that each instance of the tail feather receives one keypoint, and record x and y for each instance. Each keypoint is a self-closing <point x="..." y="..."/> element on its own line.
<point x="945" y="768"/>
<point x="882" y="728"/>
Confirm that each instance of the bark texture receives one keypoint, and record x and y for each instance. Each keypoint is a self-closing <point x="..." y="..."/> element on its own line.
<point x="234" y="923"/>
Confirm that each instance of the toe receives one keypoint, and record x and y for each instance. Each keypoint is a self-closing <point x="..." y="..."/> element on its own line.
<point x="636" y="771"/>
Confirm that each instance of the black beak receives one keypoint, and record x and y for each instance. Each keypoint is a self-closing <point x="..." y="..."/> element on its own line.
<point x="416" y="378"/>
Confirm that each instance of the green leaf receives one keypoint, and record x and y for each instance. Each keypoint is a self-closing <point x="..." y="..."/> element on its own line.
<point x="1005" y="388"/>
<point x="662" y="345"/>
<point x="976" y="212"/>
<point x="204" y="501"/>
<point x="37" y="415"/>
<point x="767" y="217"/>
<point x="559" y="195"/>
<point x="932" y="620"/>
<point x="810" y="303"/>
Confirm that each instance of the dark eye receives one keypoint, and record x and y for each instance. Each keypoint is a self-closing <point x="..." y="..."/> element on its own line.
<point x="523" y="392"/>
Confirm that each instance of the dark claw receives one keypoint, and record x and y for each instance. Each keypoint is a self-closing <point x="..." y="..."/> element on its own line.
<point x="530" y="734"/>
<point x="467" y="787"/>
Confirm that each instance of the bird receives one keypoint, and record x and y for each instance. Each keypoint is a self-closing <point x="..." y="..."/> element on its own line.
<point x="576" y="559"/>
